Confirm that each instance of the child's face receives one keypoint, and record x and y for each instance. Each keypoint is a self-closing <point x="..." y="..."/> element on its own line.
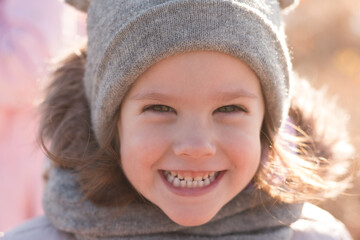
<point x="192" y="115"/>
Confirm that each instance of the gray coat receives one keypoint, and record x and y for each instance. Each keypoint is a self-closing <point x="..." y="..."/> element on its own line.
<point x="314" y="224"/>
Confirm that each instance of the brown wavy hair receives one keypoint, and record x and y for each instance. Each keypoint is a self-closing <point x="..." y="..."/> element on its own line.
<point x="309" y="162"/>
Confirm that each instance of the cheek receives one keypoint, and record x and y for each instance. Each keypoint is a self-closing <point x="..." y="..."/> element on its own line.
<point x="141" y="149"/>
<point x="143" y="140"/>
<point x="243" y="149"/>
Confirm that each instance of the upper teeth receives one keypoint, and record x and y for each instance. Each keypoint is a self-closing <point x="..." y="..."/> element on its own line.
<point x="178" y="180"/>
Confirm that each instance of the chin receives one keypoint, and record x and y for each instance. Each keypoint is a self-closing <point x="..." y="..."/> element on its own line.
<point x="191" y="218"/>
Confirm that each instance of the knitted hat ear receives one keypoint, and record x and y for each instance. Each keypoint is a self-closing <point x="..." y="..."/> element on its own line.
<point x="285" y="4"/>
<point x="81" y="5"/>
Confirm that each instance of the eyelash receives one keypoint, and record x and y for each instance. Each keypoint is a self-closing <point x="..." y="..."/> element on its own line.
<point x="164" y="108"/>
<point x="235" y="108"/>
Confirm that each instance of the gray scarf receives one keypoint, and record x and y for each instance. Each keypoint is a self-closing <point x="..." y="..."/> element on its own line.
<point x="245" y="217"/>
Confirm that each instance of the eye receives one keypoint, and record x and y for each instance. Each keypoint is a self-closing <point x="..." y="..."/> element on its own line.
<point x="231" y="109"/>
<point x="159" y="108"/>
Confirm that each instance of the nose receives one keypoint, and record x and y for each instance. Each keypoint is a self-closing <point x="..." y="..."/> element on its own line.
<point x="194" y="141"/>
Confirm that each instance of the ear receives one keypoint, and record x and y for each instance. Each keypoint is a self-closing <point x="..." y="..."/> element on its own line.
<point x="81" y="5"/>
<point x="286" y="4"/>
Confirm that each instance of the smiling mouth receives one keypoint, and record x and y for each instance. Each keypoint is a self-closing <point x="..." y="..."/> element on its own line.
<point x="179" y="181"/>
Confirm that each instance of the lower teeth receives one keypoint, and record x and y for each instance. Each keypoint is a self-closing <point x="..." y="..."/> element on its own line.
<point x="176" y="182"/>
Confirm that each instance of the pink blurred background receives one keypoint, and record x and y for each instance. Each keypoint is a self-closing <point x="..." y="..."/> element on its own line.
<point x="31" y="34"/>
<point x="324" y="37"/>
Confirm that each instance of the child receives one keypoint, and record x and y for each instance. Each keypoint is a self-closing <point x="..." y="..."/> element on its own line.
<point x="183" y="120"/>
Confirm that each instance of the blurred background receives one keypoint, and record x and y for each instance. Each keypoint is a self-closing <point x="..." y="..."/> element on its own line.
<point x="32" y="35"/>
<point x="323" y="35"/>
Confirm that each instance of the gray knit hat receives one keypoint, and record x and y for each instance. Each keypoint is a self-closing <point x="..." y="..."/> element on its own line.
<point x="125" y="37"/>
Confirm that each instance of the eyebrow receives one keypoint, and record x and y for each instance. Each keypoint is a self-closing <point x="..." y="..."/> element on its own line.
<point x="221" y="95"/>
<point x="234" y="94"/>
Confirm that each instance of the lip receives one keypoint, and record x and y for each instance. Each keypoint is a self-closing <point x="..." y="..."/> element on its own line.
<point x="192" y="192"/>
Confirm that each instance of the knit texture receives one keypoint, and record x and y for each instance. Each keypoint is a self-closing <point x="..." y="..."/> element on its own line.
<point x="244" y="217"/>
<point x="83" y="5"/>
<point x="126" y="37"/>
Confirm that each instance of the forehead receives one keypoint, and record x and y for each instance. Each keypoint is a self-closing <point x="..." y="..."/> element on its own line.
<point x="199" y="72"/>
